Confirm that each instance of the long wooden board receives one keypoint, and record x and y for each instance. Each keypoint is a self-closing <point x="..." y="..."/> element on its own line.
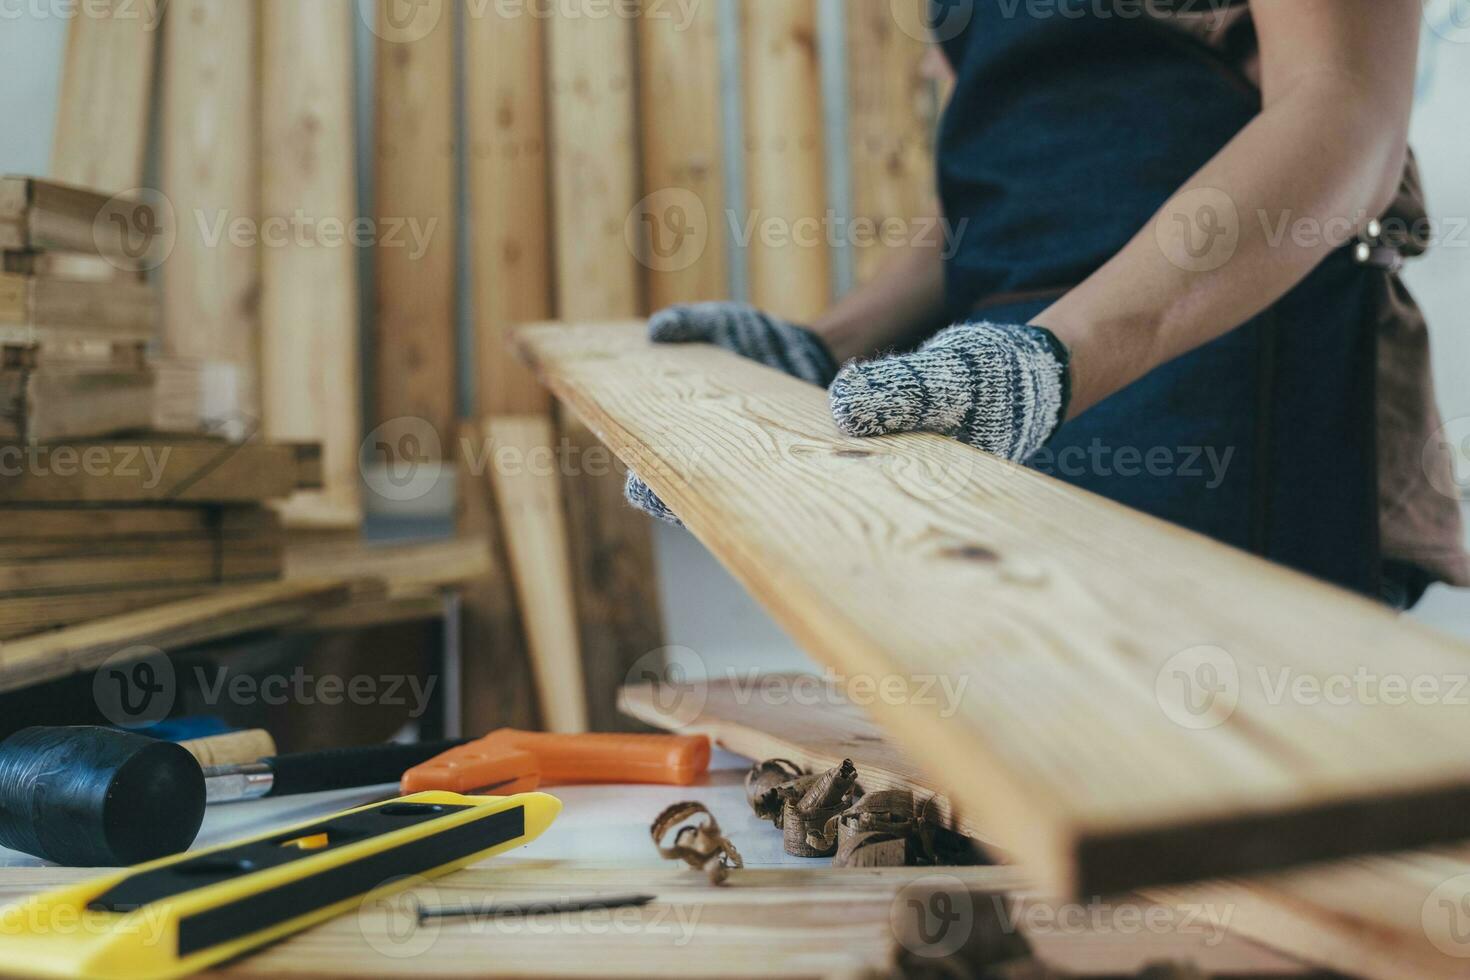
<point x="45" y="215"/>
<point x="37" y="309"/>
<point x="210" y="149"/>
<point x="1122" y="722"/>
<point x="769" y="922"/>
<point x="415" y="186"/>
<point x="309" y="304"/>
<point x="76" y="649"/>
<point x="106" y="87"/>
<point x="801" y="717"/>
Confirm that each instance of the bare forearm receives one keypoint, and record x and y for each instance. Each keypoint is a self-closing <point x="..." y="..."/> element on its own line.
<point x="902" y="304"/>
<point x="1322" y="158"/>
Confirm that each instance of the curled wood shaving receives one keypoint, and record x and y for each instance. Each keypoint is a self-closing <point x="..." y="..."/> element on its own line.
<point x="874" y="832"/>
<point x="763" y="784"/>
<point x="698" y="843"/>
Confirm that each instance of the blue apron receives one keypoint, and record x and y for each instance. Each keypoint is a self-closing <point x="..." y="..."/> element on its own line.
<point x="1066" y="133"/>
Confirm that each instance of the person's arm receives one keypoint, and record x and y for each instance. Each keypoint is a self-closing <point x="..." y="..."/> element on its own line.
<point x="1328" y="147"/>
<point x="901" y="305"/>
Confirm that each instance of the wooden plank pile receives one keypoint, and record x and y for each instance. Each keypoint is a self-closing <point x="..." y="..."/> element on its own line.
<point x="103" y="527"/>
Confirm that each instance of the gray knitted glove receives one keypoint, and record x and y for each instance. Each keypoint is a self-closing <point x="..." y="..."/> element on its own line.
<point x="1001" y="387"/>
<point x="748" y="332"/>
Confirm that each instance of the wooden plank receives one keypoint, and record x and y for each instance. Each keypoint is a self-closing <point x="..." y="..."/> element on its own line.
<point x="681" y="227"/>
<point x="34" y="309"/>
<point x="29" y="615"/>
<point x="892" y="113"/>
<point x="525" y="478"/>
<point x="106" y="93"/>
<point x="1119" y="725"/>
<point x="55" y="404"/>
<point x="309" y="306"/>
<point x="129" y="232"/>
<point x="801" y="717"/>
<point x="595" y="181"/>
<point x="153" y="470"/>
<point x="404" y="569"/>
<point x="210" y="149"/>
<point x="111" y="525"/>
<point x="790" y="263"/>
<point x="175" y="625"/>
<point x="415" y="189"/>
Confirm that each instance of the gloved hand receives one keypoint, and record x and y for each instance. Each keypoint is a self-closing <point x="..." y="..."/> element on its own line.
<point x="748" y="332"/>
<point x="999" y="387"/>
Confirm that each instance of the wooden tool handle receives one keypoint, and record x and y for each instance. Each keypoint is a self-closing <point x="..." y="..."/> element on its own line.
<point x="674" y="760"/>
<point x="232" y="749"/>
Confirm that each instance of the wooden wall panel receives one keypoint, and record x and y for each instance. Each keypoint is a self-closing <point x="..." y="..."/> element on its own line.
<point x="211" y="173"/>
<point x="789" y="259"/>
<point x="415" y="186"/>
<point x="681" y="224"/>
<point x="891" y="118"/>
<point x="595" y="188"/>
<point x="310" y="336"/>
<point x="102" y="118"/>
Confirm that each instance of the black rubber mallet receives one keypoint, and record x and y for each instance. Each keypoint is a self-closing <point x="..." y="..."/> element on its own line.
<point x="98" y="797"/>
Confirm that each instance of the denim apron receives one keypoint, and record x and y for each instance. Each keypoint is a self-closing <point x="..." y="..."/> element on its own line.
<point x="1070" y="125"/>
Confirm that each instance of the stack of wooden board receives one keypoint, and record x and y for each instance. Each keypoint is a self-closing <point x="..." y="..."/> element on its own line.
<point x="97" y="528"/>
<point x="75" y="311"/>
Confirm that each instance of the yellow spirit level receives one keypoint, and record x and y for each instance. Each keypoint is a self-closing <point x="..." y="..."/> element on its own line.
<point x="173" y="917"/>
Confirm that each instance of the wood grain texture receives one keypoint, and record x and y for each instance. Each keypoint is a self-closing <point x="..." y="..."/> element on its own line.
<point x="309" y="305"/>
<point x="527" y="489"/>
<point x="415" y="191"/>
<point x="106" y="87"/>
<point x="128" y="232"/>
<point x="1123" y="721"/>
<point x="892" y="113"/>
<point x="595" y="189"/>
<point x="681" y="228"/>
<point x="210" y="158"/>
<point x="510" y="201"/>
<point x="790" y="262"/>
<point x="174" y="625"/>
<point x="498" y="687"/>
<point x="800" y="717"/>
<point x="36" y="310"/>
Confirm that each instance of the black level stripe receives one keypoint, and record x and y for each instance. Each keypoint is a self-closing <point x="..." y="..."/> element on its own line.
<point x="263" y="910"/>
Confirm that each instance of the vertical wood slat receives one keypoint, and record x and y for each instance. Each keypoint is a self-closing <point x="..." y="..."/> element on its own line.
<point x="595" y="188"/>
<point x="681" y="228"/>
<point x="785" y="157"/>
<point x="309" y="307"/>
<point x="415" y="192"/>
<point x="511" y="261"/>
<point x="106" y="87"/>
<point x="891" y="113"/>
<point x="211" y="174"/>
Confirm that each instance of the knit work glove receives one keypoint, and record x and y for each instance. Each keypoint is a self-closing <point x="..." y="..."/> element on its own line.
<point x="748" y="332"/>
<point x="998" y="387"/>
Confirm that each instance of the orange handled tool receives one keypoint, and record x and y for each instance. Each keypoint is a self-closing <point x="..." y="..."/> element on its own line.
<point x="509" y="761"/>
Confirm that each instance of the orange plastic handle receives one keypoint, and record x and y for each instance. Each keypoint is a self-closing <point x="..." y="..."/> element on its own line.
<point x="523" y="760"/>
